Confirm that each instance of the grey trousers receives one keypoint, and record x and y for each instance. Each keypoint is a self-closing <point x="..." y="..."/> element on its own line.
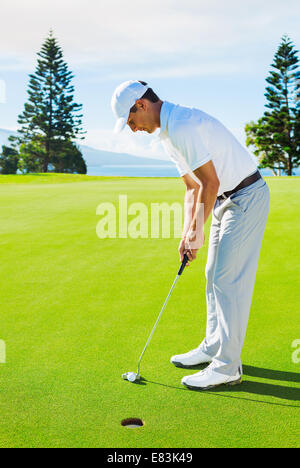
<point x="236" y="234"/>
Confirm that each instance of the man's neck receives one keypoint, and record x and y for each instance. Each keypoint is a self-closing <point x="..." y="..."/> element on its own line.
<point x="159" y="106"/>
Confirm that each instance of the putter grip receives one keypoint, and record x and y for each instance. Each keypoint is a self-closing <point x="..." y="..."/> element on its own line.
<point x="183" y="264"/>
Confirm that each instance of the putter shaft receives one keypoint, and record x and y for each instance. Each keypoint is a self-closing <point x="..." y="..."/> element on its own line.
<point x="184" y="262"/>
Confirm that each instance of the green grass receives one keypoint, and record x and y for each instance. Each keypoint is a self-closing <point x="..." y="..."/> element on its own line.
<point x="51" y="178"/>
<point x="77" y="310"/>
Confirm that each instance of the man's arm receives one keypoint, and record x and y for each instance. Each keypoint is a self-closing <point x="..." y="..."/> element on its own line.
<point x="203" y="198"/>
<point x="190" y="202"/>
<point x="208" y="189"/>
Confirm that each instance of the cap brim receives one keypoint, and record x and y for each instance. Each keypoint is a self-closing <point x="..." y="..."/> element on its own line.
<point x="120" y="124"/>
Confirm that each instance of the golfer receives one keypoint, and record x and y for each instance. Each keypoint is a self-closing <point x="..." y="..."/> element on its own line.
<point x="220" y="178"/>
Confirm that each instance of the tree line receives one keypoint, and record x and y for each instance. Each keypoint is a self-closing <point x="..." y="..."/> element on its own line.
<point x="51" y="120"/>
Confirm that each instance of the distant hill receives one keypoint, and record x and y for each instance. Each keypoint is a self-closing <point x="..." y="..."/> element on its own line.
<point x="94" y="157"/>
<point x="98" y="158"/>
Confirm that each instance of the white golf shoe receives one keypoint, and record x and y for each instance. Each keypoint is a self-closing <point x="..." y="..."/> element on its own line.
<point x="191" y="359"/>
<point x="209" y="378"/>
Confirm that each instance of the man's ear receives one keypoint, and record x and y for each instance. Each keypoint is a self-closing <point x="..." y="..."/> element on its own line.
<point x="141" y="104"/>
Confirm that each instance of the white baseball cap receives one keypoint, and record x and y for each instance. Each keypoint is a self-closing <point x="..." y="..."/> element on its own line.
<point x="123" y="99"/>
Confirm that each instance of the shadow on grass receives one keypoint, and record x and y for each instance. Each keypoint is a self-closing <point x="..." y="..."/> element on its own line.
<point x="271" y="374"/>
<point x="261" y="388"/>
<point x="253" y="387"/>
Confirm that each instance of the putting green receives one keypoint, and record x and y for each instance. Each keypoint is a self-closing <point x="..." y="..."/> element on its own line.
<point x="77" y="310"/>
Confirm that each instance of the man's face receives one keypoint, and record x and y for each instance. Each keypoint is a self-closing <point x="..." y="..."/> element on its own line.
<point x="142" y="120"/>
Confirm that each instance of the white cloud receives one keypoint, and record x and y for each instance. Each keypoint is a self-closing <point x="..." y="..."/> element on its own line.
<point x="138" y="144"/>
<point x="113" y="31"/>
<point x="180" y="71"/>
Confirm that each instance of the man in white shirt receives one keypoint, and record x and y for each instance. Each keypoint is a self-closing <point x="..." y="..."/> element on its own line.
<point x="221" y="179"/>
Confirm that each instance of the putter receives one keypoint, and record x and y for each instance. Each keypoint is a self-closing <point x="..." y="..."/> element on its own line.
<point x="134" y="376"/>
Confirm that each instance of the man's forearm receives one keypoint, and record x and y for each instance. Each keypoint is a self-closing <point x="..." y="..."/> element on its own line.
<point x="200" y="199"/>
<point x="206" y="200"/>
<point x="190" y="206"/>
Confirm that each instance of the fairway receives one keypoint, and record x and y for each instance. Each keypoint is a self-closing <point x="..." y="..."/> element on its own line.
<point x="77" y="310"/>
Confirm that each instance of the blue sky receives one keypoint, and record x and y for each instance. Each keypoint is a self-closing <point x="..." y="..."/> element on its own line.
<point x="210" y="54"/>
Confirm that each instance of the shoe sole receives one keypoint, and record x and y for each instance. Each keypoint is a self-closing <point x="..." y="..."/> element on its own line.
<point x="184" y="366"/>
<point x="228" y="384"/>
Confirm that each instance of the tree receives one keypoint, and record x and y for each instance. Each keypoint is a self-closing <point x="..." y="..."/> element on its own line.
<point x="32" y="156"/>
<point x="70" y="158"/>
<point x="50" y="112"/>
<point x="261" y="140"/>
<point x="276" y="136"/>
<point x="9" y="160"/>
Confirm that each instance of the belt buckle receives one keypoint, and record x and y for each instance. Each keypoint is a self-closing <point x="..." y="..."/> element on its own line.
<point x="223" y="196"/>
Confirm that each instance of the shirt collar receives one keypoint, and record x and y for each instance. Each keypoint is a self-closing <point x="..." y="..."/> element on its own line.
<point x="165" y="112"/>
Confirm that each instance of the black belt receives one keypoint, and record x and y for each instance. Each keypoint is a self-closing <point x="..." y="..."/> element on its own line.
<point x="248" y="181"/>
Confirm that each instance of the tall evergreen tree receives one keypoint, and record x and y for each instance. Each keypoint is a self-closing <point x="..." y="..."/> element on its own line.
<point x="50" y="113"/>
<point x="276" y="135"/>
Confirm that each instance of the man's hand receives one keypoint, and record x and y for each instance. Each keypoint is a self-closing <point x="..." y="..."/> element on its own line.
<point x="190" y="245"/>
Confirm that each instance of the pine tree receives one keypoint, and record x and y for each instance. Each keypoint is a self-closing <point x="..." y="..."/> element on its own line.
<point x="70" y="158"/>
<point x="32" y="156"/>
<point x="275" y="136"/>
<point x="50" y="113"/>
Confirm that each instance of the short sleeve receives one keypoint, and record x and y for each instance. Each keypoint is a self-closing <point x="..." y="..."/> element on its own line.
<point x="175" y="157"/>
<point x="181" y="167"/>
<point x="186" y="137"/>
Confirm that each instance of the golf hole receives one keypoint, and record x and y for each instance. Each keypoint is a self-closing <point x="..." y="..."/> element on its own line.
<point x="132" y="423"/>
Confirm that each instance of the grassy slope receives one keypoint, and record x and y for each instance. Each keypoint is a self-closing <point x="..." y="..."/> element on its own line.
<point x="76" y="312"/>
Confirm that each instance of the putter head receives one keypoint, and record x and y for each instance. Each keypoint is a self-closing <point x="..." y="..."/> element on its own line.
<point x="131" y="376"/>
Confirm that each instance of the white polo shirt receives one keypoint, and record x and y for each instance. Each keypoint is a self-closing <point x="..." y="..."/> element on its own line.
<point x="191" y="138"/>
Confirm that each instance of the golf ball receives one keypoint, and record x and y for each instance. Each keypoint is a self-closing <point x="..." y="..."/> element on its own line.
<point x="131" y="376"/>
